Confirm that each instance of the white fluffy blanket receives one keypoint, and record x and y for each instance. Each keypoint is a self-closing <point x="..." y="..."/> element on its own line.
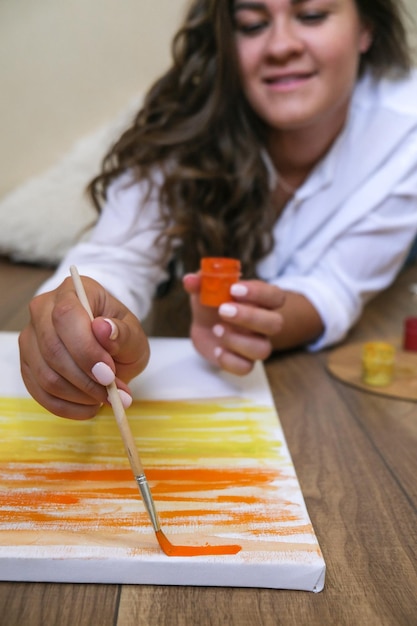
<point x="42" y="218"/>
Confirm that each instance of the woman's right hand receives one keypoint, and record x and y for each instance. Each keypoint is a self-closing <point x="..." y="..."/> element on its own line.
<point x="67" y="360"/>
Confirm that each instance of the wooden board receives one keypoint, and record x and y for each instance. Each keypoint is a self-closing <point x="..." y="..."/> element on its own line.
<point x="217" y="463"/>
<point x="345" y="364"/>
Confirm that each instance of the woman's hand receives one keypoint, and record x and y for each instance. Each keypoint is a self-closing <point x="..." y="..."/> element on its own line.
<point x="239" y="332"/>
<point x="67" y="360"/>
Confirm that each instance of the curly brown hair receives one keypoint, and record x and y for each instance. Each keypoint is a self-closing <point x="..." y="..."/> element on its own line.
<point x="197" y="128"/>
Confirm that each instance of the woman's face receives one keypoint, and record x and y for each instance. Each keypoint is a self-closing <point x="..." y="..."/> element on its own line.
<point x="299" y="59"/>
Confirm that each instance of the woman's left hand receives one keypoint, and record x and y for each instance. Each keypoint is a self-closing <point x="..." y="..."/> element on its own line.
<point x="239" y="332"/>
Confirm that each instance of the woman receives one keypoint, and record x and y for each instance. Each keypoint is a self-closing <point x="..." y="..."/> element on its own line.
<point x="284" y="134"/>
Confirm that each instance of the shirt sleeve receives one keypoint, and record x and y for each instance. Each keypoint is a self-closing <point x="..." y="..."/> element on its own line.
<point x="122" y="253"/>
<point x="359" y="263"/>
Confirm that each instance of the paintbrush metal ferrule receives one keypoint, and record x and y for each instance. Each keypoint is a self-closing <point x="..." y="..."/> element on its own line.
<point x="147" y="498"/>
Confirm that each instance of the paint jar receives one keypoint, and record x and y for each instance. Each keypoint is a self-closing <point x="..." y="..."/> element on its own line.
<point x="218" y="274"/>
<point x="410" y="334"/>
<point x="378" y="363"/>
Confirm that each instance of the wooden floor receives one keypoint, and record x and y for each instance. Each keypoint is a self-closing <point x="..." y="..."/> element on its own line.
<point x="356" y="458"/>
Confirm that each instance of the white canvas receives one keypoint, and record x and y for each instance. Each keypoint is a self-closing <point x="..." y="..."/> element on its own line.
<point x="217" y="463"/>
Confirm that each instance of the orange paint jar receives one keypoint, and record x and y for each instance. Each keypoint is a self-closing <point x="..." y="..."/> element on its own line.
<point x="218" y="274"/>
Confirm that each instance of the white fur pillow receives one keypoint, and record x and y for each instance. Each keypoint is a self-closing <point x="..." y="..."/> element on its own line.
<point x="41" y="219"/>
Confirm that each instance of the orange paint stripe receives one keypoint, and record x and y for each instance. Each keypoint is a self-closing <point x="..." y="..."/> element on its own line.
<point x="238" y="517"/>
<point x="207" y="549"/>
<point x="68" y="522"/>
<point x="30" y="499"/>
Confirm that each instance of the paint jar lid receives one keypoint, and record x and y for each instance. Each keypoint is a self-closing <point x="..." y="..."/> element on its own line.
<point x="219" y="264"/>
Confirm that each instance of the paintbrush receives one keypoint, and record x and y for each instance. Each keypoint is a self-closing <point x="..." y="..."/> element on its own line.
<point x="136" y="464"/>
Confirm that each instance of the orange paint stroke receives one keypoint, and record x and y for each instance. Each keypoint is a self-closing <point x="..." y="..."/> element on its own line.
<point x="39" y="498"/>
<point x="207" y="549"/>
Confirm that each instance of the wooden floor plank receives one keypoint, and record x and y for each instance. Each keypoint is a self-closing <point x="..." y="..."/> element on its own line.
<point x="362" y="520"/>
<point x="50" y="604"/>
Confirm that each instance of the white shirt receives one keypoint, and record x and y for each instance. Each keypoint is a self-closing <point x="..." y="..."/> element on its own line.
<point x="342" y="238"/>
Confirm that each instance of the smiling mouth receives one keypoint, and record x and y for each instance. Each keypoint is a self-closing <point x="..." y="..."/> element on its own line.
<point x="288" y="79"/>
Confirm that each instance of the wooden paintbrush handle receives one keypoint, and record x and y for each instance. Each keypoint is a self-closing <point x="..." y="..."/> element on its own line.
<point x="124" y="428"/>
<point x="115" y="401"/>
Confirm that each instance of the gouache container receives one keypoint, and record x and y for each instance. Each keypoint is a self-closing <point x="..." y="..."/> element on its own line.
<point x="218" y="274"/>
<point x="378" y="363"/>
<point x="410" y="334"/>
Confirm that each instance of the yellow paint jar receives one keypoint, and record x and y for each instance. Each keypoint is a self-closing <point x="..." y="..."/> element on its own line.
<point x="378" y="363"/>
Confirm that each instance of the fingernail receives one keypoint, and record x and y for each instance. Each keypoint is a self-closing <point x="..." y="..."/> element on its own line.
<point x="114" y="330"/>
<point x="228" y="310"/>
<point x="103" y="373"/>
<point x="125" y="398"/>
<point x="239" y="290"/>
<point x="217" y="351"/>
<point x="218" y="330"/>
